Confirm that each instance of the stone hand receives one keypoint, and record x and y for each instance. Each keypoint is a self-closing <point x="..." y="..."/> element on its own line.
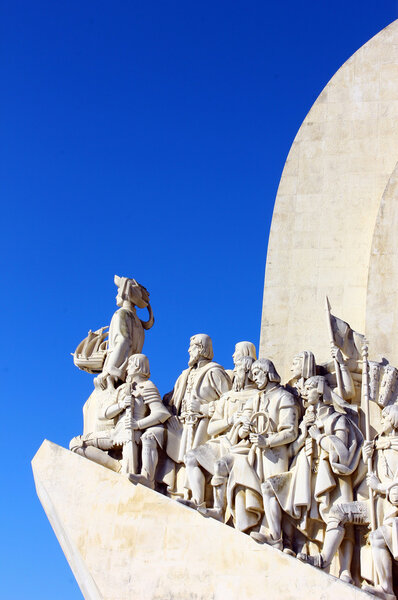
<point x="314" y="432"/>
<point x="336" y="354"/>
<point x="235" y="418"/>
<point x="303" y="427"/>
<point x="373" y="482"/>
<point x="193" y="406"/>
<point x="367" y="450"/>
<point x="208" y="409"/>
<point x="309" y="418"/>
<point x="259" y="440"/>
<point x="245" y="429"/>
<point x="125" y="402"/>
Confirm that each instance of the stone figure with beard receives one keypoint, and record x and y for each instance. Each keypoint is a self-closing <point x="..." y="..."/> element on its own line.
<point x="202" y="462"/>
<point x="192" y="402"/>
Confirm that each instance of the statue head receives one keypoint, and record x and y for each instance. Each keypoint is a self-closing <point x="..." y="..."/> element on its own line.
<point x="131" y="291"/>
<point x="314" y="388"/>
<point x="389" y="418"/>
<point x="243" y="357"/>
<point x="303" y="365"/>
<point x="263" y="372"/>
<point x="200" y="346"/>
<point x="244" y="349"/>
<point x="138" y="364"/>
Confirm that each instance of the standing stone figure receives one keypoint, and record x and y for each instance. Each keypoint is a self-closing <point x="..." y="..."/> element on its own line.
<point x="192" y="401"/>
<point x="271" y="448"/>
<point x="126" y="331"/>
<point x="384" y="482"/>
<point x="270" y="424"/>
<point x="321" y="473"/>
<point x="222" y="428"/>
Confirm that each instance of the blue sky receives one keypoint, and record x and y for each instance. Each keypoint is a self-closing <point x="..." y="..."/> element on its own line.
<point x="145" y="139"/>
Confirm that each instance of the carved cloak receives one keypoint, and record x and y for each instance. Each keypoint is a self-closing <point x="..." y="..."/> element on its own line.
<point x="314" y="483"/>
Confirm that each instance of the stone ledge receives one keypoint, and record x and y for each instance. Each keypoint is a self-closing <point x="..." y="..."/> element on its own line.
<point x="125" y="541"/>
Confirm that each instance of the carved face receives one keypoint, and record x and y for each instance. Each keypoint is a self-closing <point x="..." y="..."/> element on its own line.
<point x="297" y="366"/>
<point x="195" y="352"/>
<point x="237" y="356"/>
<point x="133" y="368"/>
<point x="260" y="378"/>
<point x="311" y="395"/>
<point x="386" y="425"/>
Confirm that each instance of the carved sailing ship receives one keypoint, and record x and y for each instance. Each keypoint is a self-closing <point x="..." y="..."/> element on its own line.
<point x="90" y="354"/>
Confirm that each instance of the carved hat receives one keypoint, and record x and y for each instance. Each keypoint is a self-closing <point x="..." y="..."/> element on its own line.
<point x="309" y="365"/>
<point x="131" y="290"/>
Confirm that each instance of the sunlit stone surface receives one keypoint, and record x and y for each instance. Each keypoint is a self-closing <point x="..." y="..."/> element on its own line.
<point x="326" y="209"/>
<point x="124" y="541"/>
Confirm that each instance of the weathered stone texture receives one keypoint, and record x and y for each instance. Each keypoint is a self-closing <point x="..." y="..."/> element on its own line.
<point x="327" y="206"/>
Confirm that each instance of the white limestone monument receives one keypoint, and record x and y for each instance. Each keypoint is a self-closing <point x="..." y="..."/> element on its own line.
<point x="278" y="479"/>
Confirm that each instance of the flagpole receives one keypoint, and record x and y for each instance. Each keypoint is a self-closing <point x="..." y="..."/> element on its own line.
<point x="332" y="342"/>
<point x="366" y="407"/>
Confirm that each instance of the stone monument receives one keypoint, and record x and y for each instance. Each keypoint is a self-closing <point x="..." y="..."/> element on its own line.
<point x="265" y="481"/>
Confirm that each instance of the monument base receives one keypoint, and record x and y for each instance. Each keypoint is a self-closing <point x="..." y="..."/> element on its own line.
<point x="124" y="541"/>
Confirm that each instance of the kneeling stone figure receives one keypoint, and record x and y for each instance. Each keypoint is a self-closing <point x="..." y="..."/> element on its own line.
<point x="129" y="418"/>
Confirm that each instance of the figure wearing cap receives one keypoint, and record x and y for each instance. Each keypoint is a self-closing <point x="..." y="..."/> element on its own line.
<point x="126" y="331"/>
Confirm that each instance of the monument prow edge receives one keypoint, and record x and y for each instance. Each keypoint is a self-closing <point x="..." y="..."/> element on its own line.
<point x="126" y="541"/>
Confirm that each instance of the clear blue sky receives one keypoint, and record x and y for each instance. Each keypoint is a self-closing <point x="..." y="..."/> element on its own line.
<point x="144" y="139"/>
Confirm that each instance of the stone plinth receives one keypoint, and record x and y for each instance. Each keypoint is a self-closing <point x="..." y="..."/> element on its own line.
<point x="124" y="541"/>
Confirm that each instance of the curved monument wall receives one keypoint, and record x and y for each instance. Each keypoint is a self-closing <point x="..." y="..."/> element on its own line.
<point x="382" y="292"/>
<point x="327" y="206"/>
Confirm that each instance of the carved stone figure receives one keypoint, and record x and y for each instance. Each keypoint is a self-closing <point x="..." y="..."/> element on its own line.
<point x="271" y="449"/>
<point x="281" y="461"/>
<point x="337" y="373"/>
<point x="126" y="331"/>
<point x="193" y="398"/>
<point x="222" y="428"/>
<point x="257" y="454"/>
<point x="384" y="482"/>
<point x="130" y="416"/>
<point x="321" y="473"/>
<point x="303" y="367"/>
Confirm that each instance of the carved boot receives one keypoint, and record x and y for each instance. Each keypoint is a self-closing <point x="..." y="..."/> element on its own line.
<point x="262" y="538"/>
<point x="316" y="560"/>
<point x="377" y="591"/>
<point x="215" y="513"/>
<point x="142" y="480"/>
<point x="192" y="504"/>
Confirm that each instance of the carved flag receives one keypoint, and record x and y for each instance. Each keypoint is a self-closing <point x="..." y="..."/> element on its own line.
<point x="349" y="341"/>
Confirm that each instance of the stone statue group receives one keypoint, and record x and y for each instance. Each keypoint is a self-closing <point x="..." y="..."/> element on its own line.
<point x="309" y="468"/>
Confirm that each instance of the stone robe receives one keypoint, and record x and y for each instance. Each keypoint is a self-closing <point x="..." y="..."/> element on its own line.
<point x="224" y="435"/>
<point x="385" y="465"/>
<point x="319" y="477"/>
<point x="250" y="465"/>
<point x="125" y="338"/>
<point x="206" y="382"/>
